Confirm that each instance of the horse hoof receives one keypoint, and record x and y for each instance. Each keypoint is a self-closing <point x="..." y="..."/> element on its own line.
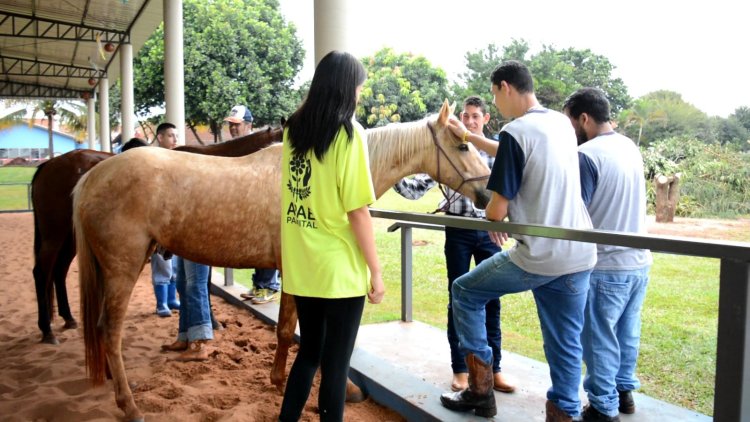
<point x="353" y="393"/>
<point x="70" y="324"/>
<point x="49" y="338"/>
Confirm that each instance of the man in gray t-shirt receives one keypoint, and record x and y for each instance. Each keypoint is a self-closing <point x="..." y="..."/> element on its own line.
<point x="614" y="190"/>
<point x="535" y="180"/>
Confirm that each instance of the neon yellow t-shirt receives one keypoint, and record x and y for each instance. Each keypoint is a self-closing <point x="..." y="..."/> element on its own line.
<point x="319" y="252"/>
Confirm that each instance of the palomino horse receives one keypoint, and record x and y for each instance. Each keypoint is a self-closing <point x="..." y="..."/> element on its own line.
<point x="54" y="243"/>
<point x="223" y="212"/>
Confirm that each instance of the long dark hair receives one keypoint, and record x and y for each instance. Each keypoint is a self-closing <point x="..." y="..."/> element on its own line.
<point x="330" y="103"/>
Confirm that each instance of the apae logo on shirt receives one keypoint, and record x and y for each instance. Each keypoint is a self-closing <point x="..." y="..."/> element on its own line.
<point x="300" y="170"/>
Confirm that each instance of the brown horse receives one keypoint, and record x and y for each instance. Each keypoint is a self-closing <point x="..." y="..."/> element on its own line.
<point x="222" y="212"/>
<point x="54" y="242"/>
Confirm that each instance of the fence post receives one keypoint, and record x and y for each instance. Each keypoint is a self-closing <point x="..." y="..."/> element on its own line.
<point x="229" y="276"/>
<point x="406" y="275"/>
<point x="732" y="384"/>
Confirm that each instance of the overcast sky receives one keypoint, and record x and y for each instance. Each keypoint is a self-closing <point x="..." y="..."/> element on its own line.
<point x="698" y="49"/>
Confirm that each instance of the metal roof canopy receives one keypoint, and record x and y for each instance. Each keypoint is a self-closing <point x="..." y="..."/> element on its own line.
<point x="51" y="48"/>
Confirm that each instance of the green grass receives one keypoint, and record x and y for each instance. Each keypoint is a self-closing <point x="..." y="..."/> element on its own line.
<point x="15" y="197"/>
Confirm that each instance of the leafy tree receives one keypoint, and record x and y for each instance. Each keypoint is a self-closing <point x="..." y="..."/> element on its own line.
<point x="730" y="132"/>
<point x="642" y="113"/>
<point x="664" y="114"/>
<point x="236" y="52"/>
<point x="476" y="79"/>
<point x="557" y="74"/>
<point x="400" y="87"/>
<point x="742" y="116"/>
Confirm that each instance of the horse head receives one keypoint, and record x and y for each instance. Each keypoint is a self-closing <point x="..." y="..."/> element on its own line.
<point x="456" y="164"/>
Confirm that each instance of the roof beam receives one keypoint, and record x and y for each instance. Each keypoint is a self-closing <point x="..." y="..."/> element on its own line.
<point x="25" y="67"/>
<point x="22" y="26"/>
<point x="9" y="89"/>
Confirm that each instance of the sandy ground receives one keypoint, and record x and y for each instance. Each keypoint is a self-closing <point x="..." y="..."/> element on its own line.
<point x="40" y="382"/>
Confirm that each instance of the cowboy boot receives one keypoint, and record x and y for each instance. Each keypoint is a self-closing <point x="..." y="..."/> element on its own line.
<point x="479" y="396"/>
<point x="555" y="414"/>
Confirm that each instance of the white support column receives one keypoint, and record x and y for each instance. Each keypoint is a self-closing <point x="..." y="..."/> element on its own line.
<point x="127" y="107"/>
<point x="331" y="27"/>
<point x="174" y="68"/>
<point x="104" y="139"/>
<point x="91" y="122"/>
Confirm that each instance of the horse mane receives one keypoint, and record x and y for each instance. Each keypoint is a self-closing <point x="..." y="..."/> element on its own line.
<point x="394" y="143"/>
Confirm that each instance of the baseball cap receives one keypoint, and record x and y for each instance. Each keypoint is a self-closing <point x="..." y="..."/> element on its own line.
<point x="239" y="114"/>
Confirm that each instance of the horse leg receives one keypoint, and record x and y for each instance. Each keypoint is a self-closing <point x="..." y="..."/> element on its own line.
<point x="43" y="285"/>
<point x="116" y="299"/>
<point x="284" y="336"/>
<point x="65" y="257"/>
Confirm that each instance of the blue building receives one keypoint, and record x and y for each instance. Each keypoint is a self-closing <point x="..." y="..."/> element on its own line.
<point x="33" y="142"/>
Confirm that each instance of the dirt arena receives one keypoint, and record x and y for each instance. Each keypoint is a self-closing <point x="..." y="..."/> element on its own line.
<point x="40" y="382"/>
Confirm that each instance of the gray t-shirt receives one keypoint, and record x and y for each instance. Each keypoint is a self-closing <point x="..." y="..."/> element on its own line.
<point x="536" y="169"/>
<point x="614" y="190"/>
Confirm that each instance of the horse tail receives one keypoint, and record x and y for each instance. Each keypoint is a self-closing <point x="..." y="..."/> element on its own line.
<point x="92" y="297"/>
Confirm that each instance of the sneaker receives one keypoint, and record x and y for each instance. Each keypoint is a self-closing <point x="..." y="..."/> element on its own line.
<point x="251" y="294"/>
<point x="590" y="414"/>
<point x="627" y="404"/>
<point x="265" y="296"/>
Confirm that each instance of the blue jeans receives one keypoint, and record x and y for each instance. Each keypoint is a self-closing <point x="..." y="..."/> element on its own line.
<point x="560" y="302"/>
<point x="612" y="335"/>
<point x="460" y="246"/>
<point x="266" y="279"/>
<point x="162" y="270"/>
<point x="195" y="310"/>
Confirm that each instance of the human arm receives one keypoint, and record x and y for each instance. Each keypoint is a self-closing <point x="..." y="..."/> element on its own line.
<point x="497" y="210"/>
<point x="362" y="227"/>
<point x="414" y="188"/>
<point x="487" y="145"/>
<point x="589" y="177"/>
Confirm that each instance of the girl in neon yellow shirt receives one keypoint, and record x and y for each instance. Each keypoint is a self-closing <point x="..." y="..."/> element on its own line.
<point x="327" y="241"/>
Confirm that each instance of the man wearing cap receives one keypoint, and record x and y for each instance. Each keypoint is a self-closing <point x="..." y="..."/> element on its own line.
<point x="266" y="285"/>
<point x="240" y="121"/>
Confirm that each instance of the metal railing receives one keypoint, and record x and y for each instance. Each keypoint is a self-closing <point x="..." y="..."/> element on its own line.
<point x="28" y="196"/>
<point x="732" y="383"/>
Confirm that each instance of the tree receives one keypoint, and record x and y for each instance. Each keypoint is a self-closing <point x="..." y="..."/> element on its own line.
<point x="400" y="87"/>
<point x="557" y="74"/>
<point x="72" y="115"/>
<point x="476" y="79"/>
<point x="642" y="112"/>
<point x="664" y="114"/>
<point x="236" y="52"/>
<point x="742" y="116"/>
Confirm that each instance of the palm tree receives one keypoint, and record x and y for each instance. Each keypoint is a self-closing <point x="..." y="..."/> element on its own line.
<point x="641" y="113"/>
<point x="72" y="115"/>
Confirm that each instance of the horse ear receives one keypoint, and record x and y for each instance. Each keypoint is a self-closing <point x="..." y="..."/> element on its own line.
<point x="453" y="107"/>
<point x="445" y="113"/>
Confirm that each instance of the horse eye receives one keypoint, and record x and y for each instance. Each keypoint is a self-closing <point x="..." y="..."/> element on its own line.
<point x="463" y="147"/>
